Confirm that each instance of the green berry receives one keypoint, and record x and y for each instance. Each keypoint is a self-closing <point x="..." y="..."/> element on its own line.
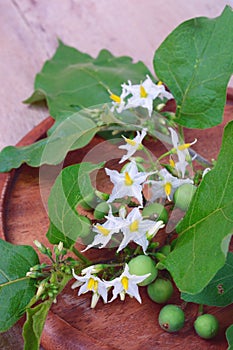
<point x="155" y="211"/>
<point x="89" y="202"/>
<point x="160" y="290"/>
<point x="141" y="265"/>
<point x="171" y="318"/>
<point x="165" y="250"/>
<point x="101" y="210"/>
<point x="206" y="326"/>
<point x="183" y="196"/>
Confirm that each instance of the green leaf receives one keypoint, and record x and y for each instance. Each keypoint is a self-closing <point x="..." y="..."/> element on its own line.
<point x="195" y="62"/>
<point x="71" y="186"/>
<point x="229" y="335"/>
<point x="75" y="132"/>
<point x="16" y="290"/>
<point x="36" y="315"/>
<point x="34" y="325"/>
<point x="219" y="292"/>
<point x="72" y="80"/>
<point x="205" y="231"/>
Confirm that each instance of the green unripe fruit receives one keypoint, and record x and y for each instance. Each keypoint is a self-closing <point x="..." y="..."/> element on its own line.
<point x="183" y="196"/>
<point x="102" y="209"/>
<point x="141" y="265"/>
<point x="85" y="226"/>
<point x="89" y="202"/>
<point x="165" y="250"/>
<point x="160" y="290"/>
<point x="206" y="326"/>
<point x="156" y="211"/>
<point x="171" y="318"/>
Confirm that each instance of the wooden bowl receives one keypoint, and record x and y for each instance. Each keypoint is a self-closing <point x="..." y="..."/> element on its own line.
<point x="71" y="324"/>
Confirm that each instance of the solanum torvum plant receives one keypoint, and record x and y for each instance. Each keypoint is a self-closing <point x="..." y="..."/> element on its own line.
<point x="128" y="102"/>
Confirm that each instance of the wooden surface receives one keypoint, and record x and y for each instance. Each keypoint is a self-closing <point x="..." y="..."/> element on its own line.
<point x="71" y="323"/>
<point x="29" y="30"/>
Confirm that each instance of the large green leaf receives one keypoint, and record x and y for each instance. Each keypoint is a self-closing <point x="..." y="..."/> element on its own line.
<point x="229" y="335"/>
<point x="71" y="186"/>
<point x="75" y="132"/>
<point x="195" y="61"/>
<point x="205" y="230"/>
<point x="72" y="80"/>
<point x="219" y="292"/>
<point x="16" y="290"/>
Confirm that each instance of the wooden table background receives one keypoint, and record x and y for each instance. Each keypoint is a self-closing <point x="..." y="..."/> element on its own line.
<point x="29" y="30"/>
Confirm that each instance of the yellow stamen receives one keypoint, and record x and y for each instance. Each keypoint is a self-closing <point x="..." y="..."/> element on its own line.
<point x="172" y="163"/>
<point x="143" y="93"/>
<point x="125" y="283"/>
<point x="134" y="226"/>
<point x="115" y="98"/>
<point x="168" y="188"/>
<point x="160" y="83"/>
<point x="102" y="230"/>
<point x="128" y="180"/>
<point x="130" y="142"/>
<point x="92" y="284"/>
<point x="184" y="146"/>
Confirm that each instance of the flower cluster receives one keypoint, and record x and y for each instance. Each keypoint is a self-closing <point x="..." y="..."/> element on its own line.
<point x="139" y="95"/>
<point x="130" y="225"/>
<point x="122" y="285"/>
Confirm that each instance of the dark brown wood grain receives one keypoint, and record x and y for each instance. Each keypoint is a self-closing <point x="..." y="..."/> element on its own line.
<point x="71" y="323"/>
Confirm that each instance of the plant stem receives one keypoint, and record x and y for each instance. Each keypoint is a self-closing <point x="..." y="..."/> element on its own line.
<point x="81" y="256"/>
<point x="200" y="309"/>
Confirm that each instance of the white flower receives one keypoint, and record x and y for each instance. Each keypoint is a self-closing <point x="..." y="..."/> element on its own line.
<point x="144" y="94"/>
<point x="166" y="187"/>
<point x="105" y="231"/>
<point x="132" y="146"/>
<point x="118" y="102"/>
<point x="138" y="230"/>
<point x="126" y="284"/>
<point x="91" y="283"/>
<point x="92" y="269"/>
<point x="182" y="152"/>
<point x="127" y="183"/>
<point x="206" y="170"/>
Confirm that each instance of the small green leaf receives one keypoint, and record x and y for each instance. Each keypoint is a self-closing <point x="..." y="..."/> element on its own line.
<point x="219" y="292"/>
<point x="72" y="80"/>
<point x="195" y="62"/>
<point x="16" y="290"/>
<point x="75" y="132"/>
<point x="34" y="325"/>
<point x="229" y="335"/>
<point x="71" y="186"/>
<point x="205" y="231"/>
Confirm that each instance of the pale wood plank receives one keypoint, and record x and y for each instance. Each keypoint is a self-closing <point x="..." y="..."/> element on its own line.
<point x="29" y="30"/>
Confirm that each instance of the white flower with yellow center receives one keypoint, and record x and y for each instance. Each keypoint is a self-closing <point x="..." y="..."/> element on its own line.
<point x="132" y="146"/>
<point x="137" y="230"/>
<point x="165" y="187"/>
<point x="91" y="283"/>
<point x="128" y="183"/>
<point x="143" y="94"/>
<point x="104" y="232"/>
<point x="126" y="284"/>
<point x="182" y="152"/>
<point x="118" y="102"/>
